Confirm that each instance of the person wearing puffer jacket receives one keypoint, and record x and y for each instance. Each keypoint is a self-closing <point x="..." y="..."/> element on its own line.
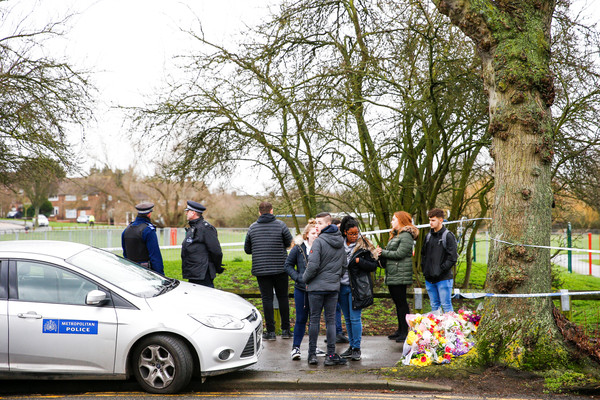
<point x="399" y="267"/>
<point x="356" y="289"/>
<point x="295" y="264"/>
<point x="267" y="240"/>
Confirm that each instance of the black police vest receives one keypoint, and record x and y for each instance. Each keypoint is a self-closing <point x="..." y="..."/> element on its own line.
<point x="134" y="244"/>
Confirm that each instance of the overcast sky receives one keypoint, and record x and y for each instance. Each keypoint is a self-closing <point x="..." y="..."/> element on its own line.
<point x="128" y="45"/>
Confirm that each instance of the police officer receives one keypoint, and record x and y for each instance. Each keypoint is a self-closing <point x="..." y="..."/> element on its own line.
<point x="201" y="254"/>
<point x="139" y="240"/>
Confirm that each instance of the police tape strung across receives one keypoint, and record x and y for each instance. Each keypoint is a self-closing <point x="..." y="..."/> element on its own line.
<point x="515" y="295"/>
<point x="547" y="247"/>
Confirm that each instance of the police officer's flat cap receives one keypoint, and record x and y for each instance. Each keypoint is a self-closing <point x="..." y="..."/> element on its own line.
<point x="144" y="208"/>
<point x="195" y="206"/>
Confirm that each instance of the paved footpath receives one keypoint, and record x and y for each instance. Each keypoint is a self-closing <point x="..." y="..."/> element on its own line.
<point x="579" y="263"/>
<point x="275" y="370"/>
<point x="11" y="226"/>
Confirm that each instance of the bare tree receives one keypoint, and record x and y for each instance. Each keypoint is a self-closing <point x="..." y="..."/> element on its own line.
<point x="334" y="97"/>
<point x="168" y="194"/>
<point x="38" y="178"/>
<point x="576" y="109"/>
<point x="171" y="195"/>
<point x="242" y="107"/>
<point x="39" y="98"/>
<point x="407" y="112"/>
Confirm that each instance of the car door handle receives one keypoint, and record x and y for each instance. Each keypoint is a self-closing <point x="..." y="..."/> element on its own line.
<point x="29" y="314"/>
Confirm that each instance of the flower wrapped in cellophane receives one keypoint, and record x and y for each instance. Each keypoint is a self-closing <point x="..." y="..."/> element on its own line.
<point x="438" y="338"/>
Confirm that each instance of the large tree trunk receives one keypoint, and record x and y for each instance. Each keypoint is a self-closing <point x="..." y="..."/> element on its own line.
<point x="513" y="39"/>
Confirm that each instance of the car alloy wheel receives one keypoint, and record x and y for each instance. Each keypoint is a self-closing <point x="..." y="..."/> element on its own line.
<point x="162" y="364"/>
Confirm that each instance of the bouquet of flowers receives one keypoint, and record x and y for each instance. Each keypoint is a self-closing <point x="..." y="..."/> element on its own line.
<point x="436" y="339"/>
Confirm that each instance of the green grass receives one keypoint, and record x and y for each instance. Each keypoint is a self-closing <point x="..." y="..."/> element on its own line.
<point x="380" y="318"/>
<point x="585" y="312"/>
<point x="477" y="278"/>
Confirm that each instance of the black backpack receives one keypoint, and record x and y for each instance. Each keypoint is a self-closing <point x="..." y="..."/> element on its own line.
<point x="444" y="235"/>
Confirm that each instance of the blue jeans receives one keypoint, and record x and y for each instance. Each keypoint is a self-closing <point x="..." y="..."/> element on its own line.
<point x="302" y="313"/>
<point x="440" y="294"/>
<point x="352" y="317"/>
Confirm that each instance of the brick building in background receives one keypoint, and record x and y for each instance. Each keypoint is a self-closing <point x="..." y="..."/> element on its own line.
<point x="90" y="196"/>
<point x="75" y="198"/>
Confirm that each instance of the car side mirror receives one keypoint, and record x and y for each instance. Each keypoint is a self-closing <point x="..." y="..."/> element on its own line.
<point x="96" y="298"/>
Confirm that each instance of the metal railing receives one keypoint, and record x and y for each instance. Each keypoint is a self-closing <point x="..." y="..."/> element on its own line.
<point x="110" y="238"/>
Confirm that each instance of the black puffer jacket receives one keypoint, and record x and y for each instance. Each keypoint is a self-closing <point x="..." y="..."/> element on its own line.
<point x="362" y="263"/>
<point x="295" y="264"/>
<point x="437" y="260"/>
<point x="267" y="240"/>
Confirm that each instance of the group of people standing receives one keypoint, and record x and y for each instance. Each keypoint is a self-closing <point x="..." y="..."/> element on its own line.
<point x="331" y="266"/>
<point x="201" y="254"/>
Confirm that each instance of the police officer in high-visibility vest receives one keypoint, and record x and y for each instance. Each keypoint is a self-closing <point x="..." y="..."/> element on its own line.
<point x="201" y="253"/>
<point x="139" y="240"/>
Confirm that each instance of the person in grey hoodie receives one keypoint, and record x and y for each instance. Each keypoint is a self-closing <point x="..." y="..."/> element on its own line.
<point x="267" y="240"/>
<point x="326" y="262"/>
<point x="295" y="266"/>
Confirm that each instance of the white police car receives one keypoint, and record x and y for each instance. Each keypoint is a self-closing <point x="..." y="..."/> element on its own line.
<point x="71" y="310"/>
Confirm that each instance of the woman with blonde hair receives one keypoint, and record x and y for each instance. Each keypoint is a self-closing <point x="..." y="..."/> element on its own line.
<point x="295" y="264"/>
<point x="398" y="267"/>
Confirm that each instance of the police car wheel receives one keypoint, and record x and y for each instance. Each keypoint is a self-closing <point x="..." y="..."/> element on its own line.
<point x="162" y="364"/>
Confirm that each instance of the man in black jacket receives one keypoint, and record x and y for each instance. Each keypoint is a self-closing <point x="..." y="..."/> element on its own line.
<point x="267" y="240"/>
<point x="438" y="256"/>
<point x="201" y="254"/>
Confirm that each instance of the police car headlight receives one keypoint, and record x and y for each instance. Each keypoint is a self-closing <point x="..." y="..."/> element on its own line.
<point x="219" y="321"/>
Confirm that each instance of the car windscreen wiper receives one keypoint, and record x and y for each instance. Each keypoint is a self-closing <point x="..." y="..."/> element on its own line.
<point x="172" y="284"/>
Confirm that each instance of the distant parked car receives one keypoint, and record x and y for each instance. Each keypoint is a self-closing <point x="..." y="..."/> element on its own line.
<point x="12" y="214"/>
<point x="43" y="220"/>
<point x="83" y="219"/>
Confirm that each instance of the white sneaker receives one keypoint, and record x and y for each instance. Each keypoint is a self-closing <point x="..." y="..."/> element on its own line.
<point x="295" y="354"/>
<point x="320" y="353"/>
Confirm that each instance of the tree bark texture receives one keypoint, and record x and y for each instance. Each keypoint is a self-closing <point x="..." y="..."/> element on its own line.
<point x="513" y="39"/>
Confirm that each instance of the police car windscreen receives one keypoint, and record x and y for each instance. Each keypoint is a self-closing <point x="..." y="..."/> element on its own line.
<point x="120" y="272"/>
